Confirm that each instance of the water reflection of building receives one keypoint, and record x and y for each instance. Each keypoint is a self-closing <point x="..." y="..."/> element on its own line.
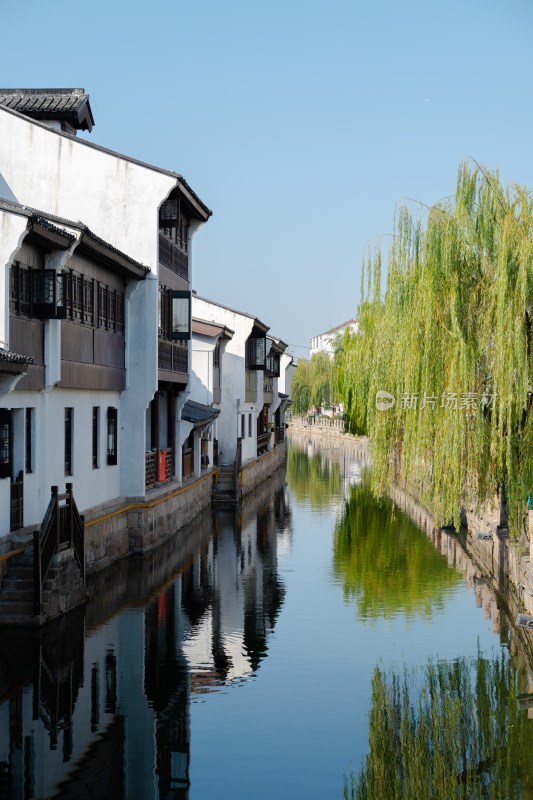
<point x="107" y="714"/>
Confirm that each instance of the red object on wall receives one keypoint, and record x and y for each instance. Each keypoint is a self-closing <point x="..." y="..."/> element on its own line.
<point x="162" y="465"/>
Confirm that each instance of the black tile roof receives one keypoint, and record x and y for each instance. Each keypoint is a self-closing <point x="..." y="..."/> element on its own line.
<point x="68" y="105"/>
<point x="198" y="413"/>
<point x="14" y="358"/>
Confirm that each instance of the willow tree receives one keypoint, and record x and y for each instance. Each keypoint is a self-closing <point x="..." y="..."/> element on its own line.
<point x="449" y="338"/>
<point x="313" y="383"/>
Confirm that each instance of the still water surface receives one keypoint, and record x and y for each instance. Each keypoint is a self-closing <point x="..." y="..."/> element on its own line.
<point x="241" y="664"/>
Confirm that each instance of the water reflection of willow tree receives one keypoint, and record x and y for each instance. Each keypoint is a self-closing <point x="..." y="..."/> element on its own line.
<point x="315" y="478"/>
<point x="449" y="730"/>
<point x="385" y="562"/>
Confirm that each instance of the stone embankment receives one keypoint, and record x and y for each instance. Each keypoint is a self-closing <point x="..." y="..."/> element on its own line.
<point x="489" y="545"/>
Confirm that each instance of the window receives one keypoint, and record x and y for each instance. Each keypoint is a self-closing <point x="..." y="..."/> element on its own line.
<point x="29" y="439"/>
<point x="6" y="443"/>
<point x="243" y="426"/>
<point x="181" y="315"/>
<point x="96" y="430"/>
<point x="69" y="415"/>
<point x="272" y="365"/>
<point x="255" y="352"/>
<point x="112" y="436"/>
<point x="249" y="425"/>
<point x="36" y="292"/>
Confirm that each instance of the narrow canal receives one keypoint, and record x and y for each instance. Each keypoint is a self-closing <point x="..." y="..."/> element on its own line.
<point x="271" y="653"/>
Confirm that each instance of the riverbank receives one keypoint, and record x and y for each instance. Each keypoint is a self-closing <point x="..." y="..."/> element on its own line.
<point x="114" y="531"/>
<point x="489" y="545"/>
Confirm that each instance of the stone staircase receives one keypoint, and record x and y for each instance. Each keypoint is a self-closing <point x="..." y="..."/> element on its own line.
<point x="63" y="588"/>
<point x="225" y="491"/>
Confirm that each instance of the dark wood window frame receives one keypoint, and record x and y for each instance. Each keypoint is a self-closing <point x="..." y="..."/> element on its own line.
<point x="28" y="439"/>
<point x="255" y="352"/>
<point x="69" y="439"/>
<point x="76" y="297"/>
<point x="6" y="443"/>
<point x="112" y="436"/>
<point x="95" y="437"/>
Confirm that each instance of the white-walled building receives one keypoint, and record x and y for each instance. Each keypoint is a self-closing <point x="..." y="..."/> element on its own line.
<point x="325" y="342"/>
<point x="251" y="409"/>
<point x="118" y="336"/>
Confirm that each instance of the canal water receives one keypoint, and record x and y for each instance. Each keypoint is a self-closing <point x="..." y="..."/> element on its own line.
<point x="271" y="653"/>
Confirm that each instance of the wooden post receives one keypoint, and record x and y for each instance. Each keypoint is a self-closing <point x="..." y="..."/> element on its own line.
<point x="37" y="572"/>
<point x="55" y="491"/>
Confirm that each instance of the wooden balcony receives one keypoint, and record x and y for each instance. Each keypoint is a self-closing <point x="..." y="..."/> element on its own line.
<point x="173" y="357"/>
<point x="173" y="257"/>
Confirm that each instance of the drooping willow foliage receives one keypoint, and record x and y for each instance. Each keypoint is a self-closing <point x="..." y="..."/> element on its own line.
<point x="451" y="731"/>
<point x="314" y="382"/>
<point x="449" y="338"/>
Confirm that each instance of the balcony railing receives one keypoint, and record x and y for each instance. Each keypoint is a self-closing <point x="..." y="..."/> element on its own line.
<point x="173" y="357"/>
<point x="263" y="440"/>
<point x="152" y="468"/>
<point x="173" y="257"/>
<point x="280" y="434"/>
<point x="62" y="528"/>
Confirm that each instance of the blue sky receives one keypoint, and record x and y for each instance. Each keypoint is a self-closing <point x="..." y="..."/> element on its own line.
<point x="301" y="124"/>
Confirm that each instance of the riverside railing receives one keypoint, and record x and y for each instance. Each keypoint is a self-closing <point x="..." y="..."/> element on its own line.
<point x="62" y="528"/>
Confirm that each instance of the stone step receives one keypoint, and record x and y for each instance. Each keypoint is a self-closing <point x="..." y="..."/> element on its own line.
<point x="19" y="595"/>
<point x="25" y="560"/>
<point x="13" y="583"/>
<point x="20" y="620"/>
<point x="20" y="572"/>
<point x="8" y="607"/>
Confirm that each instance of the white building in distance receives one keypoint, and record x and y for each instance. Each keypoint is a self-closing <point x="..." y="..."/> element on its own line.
<point x="325" y="342"/>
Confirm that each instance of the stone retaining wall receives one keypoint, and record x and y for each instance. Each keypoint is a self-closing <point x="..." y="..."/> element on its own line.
<point x="136" y="525"/>
<point x="255" y="472"/>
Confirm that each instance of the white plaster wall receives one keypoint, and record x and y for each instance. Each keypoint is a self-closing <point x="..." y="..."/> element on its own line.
<point x="232" y="367"/>
<point x="201" y="375"/>
<point x="12" y="231"/>
<point x="91" y="486"/>
<point x="60" y="175"/>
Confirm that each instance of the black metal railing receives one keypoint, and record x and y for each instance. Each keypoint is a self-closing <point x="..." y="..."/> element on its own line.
<point x="62" y="528"/>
